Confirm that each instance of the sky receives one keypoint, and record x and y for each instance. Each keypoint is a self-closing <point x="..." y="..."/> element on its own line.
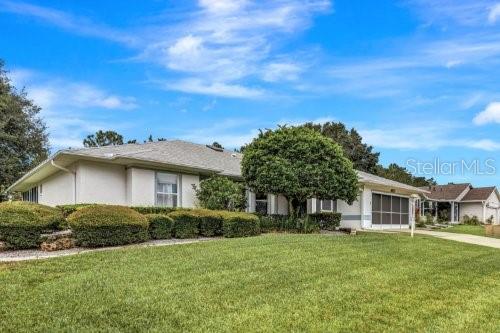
<point x="419" y="79"/>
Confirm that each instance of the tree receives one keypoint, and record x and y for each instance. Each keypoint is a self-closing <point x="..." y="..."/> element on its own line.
<point x="221" y="193"/>
<point x="361" y="154"/>
<point x="23" y="134"/>
<point x="101" y="138"/>
<point x="298" y="163"/>
<point x="400" y="174"/>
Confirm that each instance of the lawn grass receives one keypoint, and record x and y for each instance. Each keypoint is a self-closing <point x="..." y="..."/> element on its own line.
<point x="365" y="283"/>
<point x="477" y="230"/>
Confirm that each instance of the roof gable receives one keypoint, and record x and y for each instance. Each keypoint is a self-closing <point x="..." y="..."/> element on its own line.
<point x="450" y="192"/>
<point x="479" y="194"/>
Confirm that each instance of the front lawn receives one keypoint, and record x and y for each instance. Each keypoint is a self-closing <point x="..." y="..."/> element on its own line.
<point x="477" y="230"/>
<point x="369" y="282"/>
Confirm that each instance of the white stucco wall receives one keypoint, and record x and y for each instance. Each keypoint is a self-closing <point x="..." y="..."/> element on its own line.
<point x="101" y="183"/>
<point x="491" y="211"/>
<point x="140" y="187"/>
<point x="471" y="209"/>
<point x="188" y="194"/>
<point x="56" y="189"/>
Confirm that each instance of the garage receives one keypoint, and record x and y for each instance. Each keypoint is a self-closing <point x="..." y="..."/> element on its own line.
<point x="390" y="210"/>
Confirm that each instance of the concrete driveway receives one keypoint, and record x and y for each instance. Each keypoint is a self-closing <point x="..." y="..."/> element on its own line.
<point x="464" y="238"/>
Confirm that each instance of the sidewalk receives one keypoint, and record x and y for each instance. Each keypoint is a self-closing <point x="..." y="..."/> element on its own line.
<point x="464" y="238"/>
<point x="21" y="255"/>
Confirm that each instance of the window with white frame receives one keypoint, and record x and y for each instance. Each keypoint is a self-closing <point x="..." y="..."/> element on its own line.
<point x="167" y="189"/>
<point x="328" y="205"/>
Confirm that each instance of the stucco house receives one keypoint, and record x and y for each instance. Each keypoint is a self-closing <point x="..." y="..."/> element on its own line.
<point x="454" y="201"/>
<point x="164" y="173"/>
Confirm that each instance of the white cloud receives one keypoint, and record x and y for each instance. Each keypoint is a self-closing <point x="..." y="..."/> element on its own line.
<point x="494" y="13"/>
<point x="197" y="86"/>
<point x="281" y="71"/>
<point x="81" y="26"/>
<point x="223" y="6"/>
<point x="70" y="109"/>
<point x="490" y="115"/>
<point x="424" y="138"/>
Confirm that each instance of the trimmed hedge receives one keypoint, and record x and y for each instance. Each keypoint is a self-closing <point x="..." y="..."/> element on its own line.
<point x="240" y="225"/>
<point x="69" y="209"/>
<point x="154" y="209"/>
<point x="186" y="223"/>
<point x="210" y="222"/>
<point x="102" y="225"/>
<point x="22" y="223"/>
<point x="160" y="226"/>
<point x="327" y="221"/>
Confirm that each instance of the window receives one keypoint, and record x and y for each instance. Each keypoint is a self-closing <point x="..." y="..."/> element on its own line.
<point x="167" y="189"/>
<point x="328" y="205"/>
<point x="31" y="195"/>
<point x="261" y="203"/>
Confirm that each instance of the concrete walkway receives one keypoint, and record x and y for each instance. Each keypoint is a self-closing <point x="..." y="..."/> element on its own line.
<point x="464" y="238"/>
<point x="22" y="255"/>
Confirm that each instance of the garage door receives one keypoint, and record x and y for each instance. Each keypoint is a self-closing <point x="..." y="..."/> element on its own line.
<point x="390" y="210"/>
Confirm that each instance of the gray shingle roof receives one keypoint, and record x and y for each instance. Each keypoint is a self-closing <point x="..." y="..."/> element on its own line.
<point x="174" y="152"/>
<point x="479" y="194"/>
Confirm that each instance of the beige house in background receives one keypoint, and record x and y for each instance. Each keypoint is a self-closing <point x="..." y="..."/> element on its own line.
<point x="165" y="173"/>
<point x="459" y="200"/>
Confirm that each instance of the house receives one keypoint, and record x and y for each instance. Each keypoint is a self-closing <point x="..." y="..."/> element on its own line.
<point x="165" y="173"/>
<point x="454" y="201"/>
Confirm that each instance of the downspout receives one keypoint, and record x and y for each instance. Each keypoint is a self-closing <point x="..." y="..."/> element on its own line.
<point x="484" y="211"/>
<point x="68" y="171"/>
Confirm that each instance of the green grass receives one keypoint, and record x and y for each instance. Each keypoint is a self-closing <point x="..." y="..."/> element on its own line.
<point x="477" y="230"/>
<point x="364" y="283"/>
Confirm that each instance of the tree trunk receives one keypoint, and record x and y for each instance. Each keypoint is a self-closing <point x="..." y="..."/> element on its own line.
<point x="291" y="209"/>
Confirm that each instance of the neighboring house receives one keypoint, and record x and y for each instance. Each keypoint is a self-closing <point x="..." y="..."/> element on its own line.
<point x="165" y="173"/>
<point x="454" y="201"/>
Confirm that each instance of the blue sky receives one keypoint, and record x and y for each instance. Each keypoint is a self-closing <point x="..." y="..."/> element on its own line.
<point x="419" y="79"/>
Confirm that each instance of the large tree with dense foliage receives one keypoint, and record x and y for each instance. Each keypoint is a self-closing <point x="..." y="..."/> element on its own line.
<point x="23" y="134"/>
<point x="361" y="154"/>
<point x="298" y="163"/>
<point x="221" y="193"/>
<point x="400" y="174"/>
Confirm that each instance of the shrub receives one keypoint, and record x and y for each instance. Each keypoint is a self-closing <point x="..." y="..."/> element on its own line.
<point x="466" y="219"/>
<point x="67" y="210"/>
<point x="420" y="223"/>
<point x="429" y="219"/>
<point x="490" y="220"/>
<point x="154" y="209"/>
<point x="160" y="226"/>
<point x="186" y="223"/>
<point x="22" y="223"/>
<point x="327" y="221"/>
<point x="101" y="225"/>
<point x="240" y="225"/>
<point x="221" y="193"/>
<point x="211" y="222"/>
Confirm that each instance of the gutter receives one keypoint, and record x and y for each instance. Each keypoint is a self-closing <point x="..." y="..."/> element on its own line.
<point x="68" y="171"/>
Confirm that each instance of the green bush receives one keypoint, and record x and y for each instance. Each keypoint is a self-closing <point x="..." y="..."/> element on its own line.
<point x="22" y="223"/>
<point x="186" y="223"/>
<point x="327" y="221"/>
<point x="466" y="219"/>
<point x="160" y="226"/>
<point x="101" y="225"/>
<point x="154" y="209"/>
<point x="429" y="219"/>
<point x="240" y="225"/>
<point x="221" y="193"/>
<point x="67" y="210"/>
<point x="210" y="222"/>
